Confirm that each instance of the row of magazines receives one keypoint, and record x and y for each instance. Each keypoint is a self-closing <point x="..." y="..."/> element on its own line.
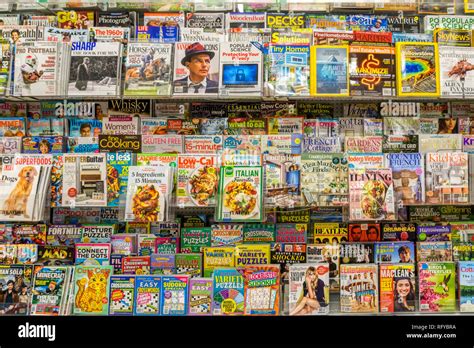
<point x="440" y="287"/>
<point x="408" y="69"/>
<point x="151" y="186"/>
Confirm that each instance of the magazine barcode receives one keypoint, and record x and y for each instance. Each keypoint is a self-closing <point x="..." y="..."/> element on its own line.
<point x="226" y="215"/>
<point x="406" y="89"/>
<point x="450" y="10"/>
<point x="387" y="92"/>
<point x="424" y="306"/>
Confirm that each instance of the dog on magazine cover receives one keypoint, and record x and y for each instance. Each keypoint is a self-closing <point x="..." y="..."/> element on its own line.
<point x="17" y="201"/>
<point x="198" y="62"/>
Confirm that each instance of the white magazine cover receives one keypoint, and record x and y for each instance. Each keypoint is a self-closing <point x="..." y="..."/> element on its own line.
<point x="147" y="190"/>
<point x="456" y="75"/>
<point x="37" y="69"/>
<point x="148" y="69"/>
<point x="84" y="180"/>
<point x="65" y="35"/>
<point x="210" y="21"/>
<point x="200" y="34"/>
<point x="104" y="34"/>
<point x="309" y="289"/>
<point x="241" y="69"/>
<point x="196" y="68"/>
<point x="22" y="187"/>
<point x="95" y="68"/>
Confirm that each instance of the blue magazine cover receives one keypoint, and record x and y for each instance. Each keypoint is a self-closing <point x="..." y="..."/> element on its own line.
<point x="331" y="70"/>
<point x="121" y="301"/>
<point x="394" y="252"/>
<point x="147" y="295"/>
<point x="84" y="127"/>
<point x="174" y="295"/>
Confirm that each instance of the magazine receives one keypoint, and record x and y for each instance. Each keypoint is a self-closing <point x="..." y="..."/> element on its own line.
<point x="262" y="290"/>
<point x="300" y="291"/>
<point x="95" y="67"/>
<point x="21" y="277"/>
<point x="455" y="79"/>
<point x="197" y="180"/>
<point x="452" y="37"/>
<point x="422" y="81"/>
<point x="163" y="26"/>
<point x="84" y="180"/>
<point x="49" y="288"/>
<point x="174" y="294"/>
<point x="72" y="19"/>
<point x="65" y="35"/>
<point x="147" y="295"/>
<point x="241" y="69"/>
<point x="228" y="288"/>
<point x="187" y="78"/>
<point x="359" y="144"/>
<point x="240" y="196"/>
<point x="121" y="301"/>
<point x="437" y="286"/>
<point x="200" y="296"/>
<point x="37" y="69"/>
<point x="148" y="69"/>
<point x="465" y="269"/>
<point x="282" y="180"/>
<point x="282" y="59"/>
<point x="359" y="288"/>
<point x="329" y="70"/>
<point x="408" y="177"/>
<point x="91" y="280"/>
<point x="394" y="252"/>
<point x="146" y="193"/>
<point x="371" y="195"/>
<point x="394" y="279"/>
<point x="217" y="257"/>
<point x="371" y="70"/>
<point x="324" y="179"/>
<point x="447" y="178"/>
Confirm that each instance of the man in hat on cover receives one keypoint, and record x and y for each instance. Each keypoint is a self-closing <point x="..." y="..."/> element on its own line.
<point x="198" y="61"/>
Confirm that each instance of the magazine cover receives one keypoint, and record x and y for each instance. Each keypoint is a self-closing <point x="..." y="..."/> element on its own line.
<point x="43" y="145"/>
<point x="452" y="37"/>
<point x="95" y="68"/>
<point x="193" y="239"/>
<point x="200" y="296"/>
<point x="285" y="254"/>
<point x="434" y="251"/>
<point x="397" y="231"/>
<point x="364" y="232"/>
<point x="84" y="180"/>
<point x="226" y="234"/>
<point x="447" y="22"/>
<point x="329" y="70"/>
<point x="189" y="264"/>
<point x="262" y="290"/>
<point x="65" y="35"/>
<point x="252" y="254"/>
<point x="282" y="180"/>
<point x="148" y="69"/>
<point x="360" y="144"/>
<point x="197" y="180"/>
<point x="241" y="69"/>
<point x="287" y="70"/>
<point x="85" y="128"/>
<point x="162" y="264"/>
<point x="433" y="233"/>
<point x="324" y="179"/>
<point x="196" y="68"/>
<point x="117" y="177"/>
<point x="466" y="286"/>
<point x="21" y="193"/>
<point x="397" y="288"/>
<point x="394" y="252"/>
<point x="365" y="160"/>
<point x="217" y="257"/>
<point x="19" y="34"/>
<point x="371" y="195"/>
<point x="359" y="288"/>
<point x="258" y="233"/>
<point x="408" y="178"/>
<point x="16" y="283"/>
<point x="49" y="289"/>
<point x="437" y="142"/>
<point x="309" y="289"/>
<point x="437" y="286"/>
<point x="417" y="69"/>
<point x="37" y="70"/>
<point x="329" y="254"/>
<point x="174" y="294"/>
<point x="202" y="143"/>
<point x="147" y="295"/>
<point x="92" y="254"/>
<point x="146" y="193"/>
<point x="329" y="233"/>
<point x="163" y="26"/>
<point x="72" y="19"/>
<point x="121" y="301"/>
<point x="228" y="291"/>
<point x="240" y="196"/>
<point x="91" y="289"/>
<point x="447" y="177"/>
<point x="55" y="255"/>
<point x="371" y="70"/>
<point x="67" y="235"/>
<point x="455" y="78"/>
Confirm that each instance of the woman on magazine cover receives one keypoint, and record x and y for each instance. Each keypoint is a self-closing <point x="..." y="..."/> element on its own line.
<point x="403" y="295"/>
<point x="312" y="297"/>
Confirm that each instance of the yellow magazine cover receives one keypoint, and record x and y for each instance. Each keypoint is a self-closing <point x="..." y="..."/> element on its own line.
<point x="417" y="69"/>
<point x="329" y="71"/>
<point x="252" y="254"/>
<point x="468" y="6"/>
<point x="217" y="257"/>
